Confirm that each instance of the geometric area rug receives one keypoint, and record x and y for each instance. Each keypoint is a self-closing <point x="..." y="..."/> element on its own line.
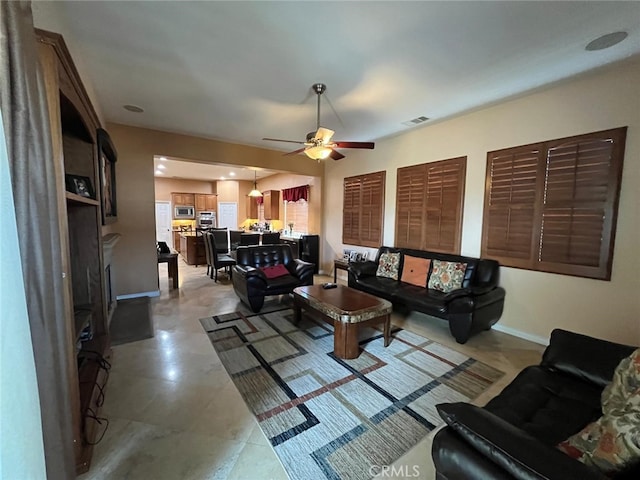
<point x="340" y="419"/>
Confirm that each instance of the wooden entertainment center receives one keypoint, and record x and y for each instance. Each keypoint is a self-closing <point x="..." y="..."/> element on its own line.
<point x="74" y="126"/>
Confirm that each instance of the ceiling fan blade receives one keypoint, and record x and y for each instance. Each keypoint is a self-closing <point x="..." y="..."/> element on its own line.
<point x="295" y="152"/>
<point x="336" y="155"/>
<point x="324" y="135"/>
<point x="369" y="145"/>
<point x="280" y="140"/>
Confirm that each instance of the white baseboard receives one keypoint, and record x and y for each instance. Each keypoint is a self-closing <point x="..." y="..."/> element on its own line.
<point x="155" y="293"/>
<point x="521" y="334"/>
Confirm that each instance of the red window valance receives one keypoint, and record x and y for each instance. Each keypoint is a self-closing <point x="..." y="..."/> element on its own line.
<point x="259" y="200"/>
<point x="296" y="193"/>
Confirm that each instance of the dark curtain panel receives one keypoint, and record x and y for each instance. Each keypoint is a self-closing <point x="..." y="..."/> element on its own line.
<point x="296" y="193"/>
<point x="26" y="124"/>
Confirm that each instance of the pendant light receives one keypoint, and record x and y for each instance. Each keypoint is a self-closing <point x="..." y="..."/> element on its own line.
<point x="255" y="192"/>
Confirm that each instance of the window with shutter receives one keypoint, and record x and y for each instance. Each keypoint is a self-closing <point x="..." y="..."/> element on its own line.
<point x="363" y="210"/>
<point x="429" y="200"/>
<point x="298" y="214"/>
<point x="552" y="206"/>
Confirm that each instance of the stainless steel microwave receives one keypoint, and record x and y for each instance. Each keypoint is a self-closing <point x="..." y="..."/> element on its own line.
<point x="184" y="213"/>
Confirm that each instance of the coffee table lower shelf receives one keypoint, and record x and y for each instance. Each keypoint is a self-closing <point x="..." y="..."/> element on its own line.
<point x="347" y="309"/>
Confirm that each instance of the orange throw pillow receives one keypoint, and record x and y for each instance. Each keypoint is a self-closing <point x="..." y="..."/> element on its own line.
<point x="415" y="271"/>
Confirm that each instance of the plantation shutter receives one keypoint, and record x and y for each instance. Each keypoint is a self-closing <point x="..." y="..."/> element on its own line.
<point x="580" y="183"/>
<point x="553" y="206"/>
<point x="410" y="195"/>
<point x="363" y="210"/>
<point x="429" y="205"/>
<point x="351" y="211"/>
<point x="444" y="197"/>
<point x="510" y="206"/>
<point x="372" y="208"/>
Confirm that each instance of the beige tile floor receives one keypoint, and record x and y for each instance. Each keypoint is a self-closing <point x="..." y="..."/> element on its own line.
<point x="174" y="412"/>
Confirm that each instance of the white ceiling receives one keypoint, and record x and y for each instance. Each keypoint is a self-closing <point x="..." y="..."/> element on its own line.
<point x="240" y="71"/>
<point x="176" y="168"/>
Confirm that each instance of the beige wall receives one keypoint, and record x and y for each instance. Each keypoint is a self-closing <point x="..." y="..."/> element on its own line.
<point x="165" y="186"/>
<point x="535" y="302"/>
<point x="228" y="191"/>
<point x="135" y="262"/>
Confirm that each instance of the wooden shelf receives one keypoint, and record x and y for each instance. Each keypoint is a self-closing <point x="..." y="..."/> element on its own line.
<point x="74" y="125"/>
<point x="75" y="198"/>
<point x="92" y="380"/>
<point x="82" y="315"/>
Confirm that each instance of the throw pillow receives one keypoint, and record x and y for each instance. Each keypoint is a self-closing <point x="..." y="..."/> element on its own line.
<point x="275" y="271"/>
<point x="388" y="265"/>
<point x="446" y="276"/>
<point x="415" y="270"/>
<point x="612" y="442"/>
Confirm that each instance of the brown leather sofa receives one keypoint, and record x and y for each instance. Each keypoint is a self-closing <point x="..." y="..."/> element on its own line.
<point x="515" y="434"/>
<point x="250" y="281"/>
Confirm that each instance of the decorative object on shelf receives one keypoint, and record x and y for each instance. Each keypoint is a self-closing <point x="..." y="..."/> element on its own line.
<point x="79" y="185"/>
<point x="290" y="228"/>
<point x="107" y="157"/>
<point x="255" y="192"/>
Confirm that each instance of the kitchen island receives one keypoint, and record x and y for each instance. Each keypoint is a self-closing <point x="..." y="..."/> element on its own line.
<point x="192" y="249"/>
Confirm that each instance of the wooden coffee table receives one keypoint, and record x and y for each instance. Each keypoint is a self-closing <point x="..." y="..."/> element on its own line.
<point x="347" y="309"/>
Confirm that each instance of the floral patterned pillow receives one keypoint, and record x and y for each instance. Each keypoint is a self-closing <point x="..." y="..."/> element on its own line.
<point x="612" y="442"/>
<point x="446" y="276"/>
<point x="388" y="265"/>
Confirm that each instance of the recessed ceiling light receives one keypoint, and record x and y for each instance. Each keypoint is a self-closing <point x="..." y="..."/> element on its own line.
<point x="606" y="41"/>
<point x="161" y="167"/>
<point x="158" y="172"/>
<point x="163" y="159"/>
<point x="133" y="108"/>
<point x="232" y="174"/>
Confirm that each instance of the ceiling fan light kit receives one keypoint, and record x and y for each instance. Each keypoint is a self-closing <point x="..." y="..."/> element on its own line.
<point x="318" y="145"/>
<point x="318" y="152"/>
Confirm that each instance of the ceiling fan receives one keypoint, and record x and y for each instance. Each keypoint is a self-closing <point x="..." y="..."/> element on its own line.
<point x="318" y="144"/>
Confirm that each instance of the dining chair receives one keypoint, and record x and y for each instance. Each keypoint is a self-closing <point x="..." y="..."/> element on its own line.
<point x="270" y="238"/>
<point x="222" y="240"/>
<point x="207" y="251"/>
<point x="249" y="239"/>
<point x="220" y="259"/>
<point x="234" y="238"/>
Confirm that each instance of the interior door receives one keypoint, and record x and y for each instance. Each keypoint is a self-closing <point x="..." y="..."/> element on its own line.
<point x="163" y="223"/>
<point x="228" y="215"/>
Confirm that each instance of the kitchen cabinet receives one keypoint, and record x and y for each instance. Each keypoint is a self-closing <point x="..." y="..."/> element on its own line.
<point x="293" y="243"/>
<point x="74" y="124"/>
<point x="252" y="208"/>
<point x="183" y="199"/>
<point x="206" y="202"/>
<point x="271" y="200"/>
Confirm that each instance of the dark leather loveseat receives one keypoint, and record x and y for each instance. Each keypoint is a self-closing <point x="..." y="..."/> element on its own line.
<point x="250" y="274"/>
<point x="515" y="434"/>
<point x="473" y="308"/>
